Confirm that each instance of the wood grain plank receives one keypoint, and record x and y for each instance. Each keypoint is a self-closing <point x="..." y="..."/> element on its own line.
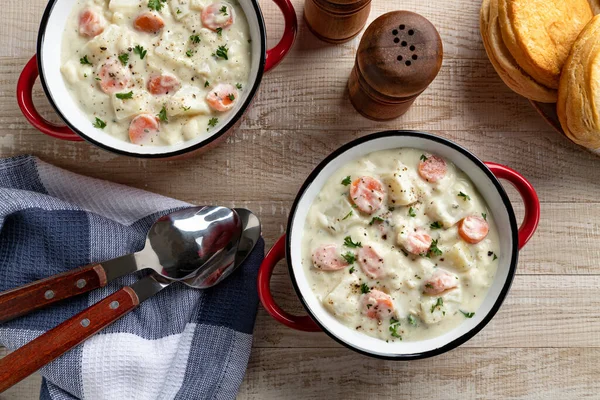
<point x="512" y="373"/>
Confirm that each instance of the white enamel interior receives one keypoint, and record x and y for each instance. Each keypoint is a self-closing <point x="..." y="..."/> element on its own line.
<point x="486" y="188"/>
<point x="51" y="63"/>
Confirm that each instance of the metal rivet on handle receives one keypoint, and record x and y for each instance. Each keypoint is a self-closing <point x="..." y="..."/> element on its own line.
<point x="114" y="305"/>
<point x="80" y="283"/>
<point x="85" y="322"/>
<point x="49" y="294"/>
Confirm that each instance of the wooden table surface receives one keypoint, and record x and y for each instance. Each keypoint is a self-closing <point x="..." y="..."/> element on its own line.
<point x="545" y="341"/>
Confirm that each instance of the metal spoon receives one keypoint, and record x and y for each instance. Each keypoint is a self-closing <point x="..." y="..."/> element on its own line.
<point x="176" y="245"/>
<point x="206" y="238"/>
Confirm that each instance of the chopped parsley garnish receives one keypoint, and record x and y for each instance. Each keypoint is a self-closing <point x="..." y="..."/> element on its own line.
<point x="348" y="215"/>
<point x="213" y="122"/>
<point x="178" y="11"/>
<point x="376" y="219"/>
<point x="239" y="86"/>
<point x="124" y="58"/>
<point x="439" y="303"/>
<point x="394" y="325"/>
<point x="423" y="157"/>
<point x="434" y="249"/>
<point x="411" y="212"/>
<point x="99" y="123"/>
<point x="223" y="10"/>
<point x="429" y="286"/>
<point x="352" y="269"/>
<point x="467" y="314"/>
<point x="98" y="79"/>
<point x="231" y="96"/>
<point x="364" y="288"/>
<point x="464" y="196"/>
<point x="124" y="96"/>
<point x="84" y="60"/>
<point x="189" y="53"/>
<point x="162" y="115"/>
<point x="184" y="108"/>
<point x="495" y="257"/>
<point x="484" y="215"/>
<point x="85" y="75"/>
<point x="346" y="181"/>
<point x="349" y="257"/>
<point x="206" y="84"/>
<point x="156" y="4"/>
<point x="221" y="52"/>
<point x="349" y="243"/>
<point x="412" y="320"/>
<point x="219" y="31"/>
<point x="436" y="225"/>
<point x="195" y="39"/>
<point x="139" y="50"/>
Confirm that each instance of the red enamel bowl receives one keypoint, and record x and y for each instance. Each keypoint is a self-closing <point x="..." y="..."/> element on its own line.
<point x="47" y="62"/>
<point x="484" y="175"/>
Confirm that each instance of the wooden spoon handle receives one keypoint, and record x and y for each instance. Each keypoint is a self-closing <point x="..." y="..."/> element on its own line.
<point x="24" y="299"/>
<point x="27" y="359"/>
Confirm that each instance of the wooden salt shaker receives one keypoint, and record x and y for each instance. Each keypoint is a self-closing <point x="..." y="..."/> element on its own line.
<point x="336" y="21"/>
<point x="399" y="55"/>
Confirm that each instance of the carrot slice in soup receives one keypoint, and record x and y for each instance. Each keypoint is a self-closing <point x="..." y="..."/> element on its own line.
<point x="432" y="169"/>
<point x="148" y="22"/>
<point x="473" y="229"/>
<point x="367" y="194"/>
<point x="144" y="129"/>
<point x="91" y="23"/>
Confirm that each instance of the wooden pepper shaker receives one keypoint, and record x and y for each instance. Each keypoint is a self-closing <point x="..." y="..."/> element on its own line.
<point x="399" y="55"/>
<point x="336" y="21"/>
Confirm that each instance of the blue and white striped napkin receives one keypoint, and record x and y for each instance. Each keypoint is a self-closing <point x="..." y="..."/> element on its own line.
<point x="181" y="344"/>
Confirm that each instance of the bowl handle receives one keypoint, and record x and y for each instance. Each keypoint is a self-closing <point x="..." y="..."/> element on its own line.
<point x="277" y="253"/>
<point x="276" y="54"/>
<point x="530" y="198"/>
<point x="24" y="98"/>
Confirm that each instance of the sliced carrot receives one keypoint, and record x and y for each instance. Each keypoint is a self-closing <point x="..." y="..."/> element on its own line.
<point x="473" y="229"/>
<point x="217" y="15"/>
<point x="417" y="242"/>
<point x="440" y="282"/>
<point x="327" y="258"/>
<point x="144" y="129"/>
<point x="148" y="22"/>
<point x="433" y="168"/>
<point x="91" y="23"/>
<point x="377" y="304"/>
<point x="222" y="97"/>
<point x="370" y="262"/>
<point x="114" y="77"/>
<point x="163" y="84"/>
<point x="367" y="194"/>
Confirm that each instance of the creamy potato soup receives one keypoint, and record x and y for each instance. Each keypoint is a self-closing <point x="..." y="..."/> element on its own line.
<point x="156" y="72"/>
<point x="399" y="245"/>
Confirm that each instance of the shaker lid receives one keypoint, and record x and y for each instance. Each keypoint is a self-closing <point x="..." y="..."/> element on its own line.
<point x="400" y="54"/>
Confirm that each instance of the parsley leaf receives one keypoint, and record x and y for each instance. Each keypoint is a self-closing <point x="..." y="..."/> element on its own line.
<point x="124" y="58"/>
<point x="412" y="320"/>
<point x="206" y="84"/>
<point x="411" y="212"/>
<point x="213" y="122"/>
<point x="195" y="39"/>
<point x="376" y="219"/>
<point x="434" y="249"/>
<point x="139" y="50"/>
<point x="364" y="288"/>
<point x="231" y="96"/>
<point x="124" y="96"/>
<point x="184" y="108"/>
<point x="223" y="10"/>
<point x="162" y="115"/>
<point x="349" y="243"/>
<point x="221" y="52"/>
<point x="352" y="269"/>
<point x="439" y="303"/>
<point x="219" y="31"/>
<point x="484" y="215"/>
<point x="189" y="53"/>
<point x="349" y="257"/>
<point x="346" y="181"/>
<point x="429" y="286"/>
<point x="99" y="123"/>
<point x="436" y="225"/>
<point x="394" y="325"/>
<point x="348" y="215"/>
<point x="84" y="60"/>
<point x="239" y="86"/>
<point x="156" y="4"/>
<point x="467" y="314"/>
<point x="464" y="196"/>
<point x="423" y="157"/>
<point x="495" y="257"/>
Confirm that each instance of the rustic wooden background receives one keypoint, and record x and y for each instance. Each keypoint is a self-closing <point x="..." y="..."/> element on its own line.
<point x="545" y="341"/>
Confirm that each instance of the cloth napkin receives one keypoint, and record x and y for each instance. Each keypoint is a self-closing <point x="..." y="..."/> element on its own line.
<point x="183" y="343"/>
